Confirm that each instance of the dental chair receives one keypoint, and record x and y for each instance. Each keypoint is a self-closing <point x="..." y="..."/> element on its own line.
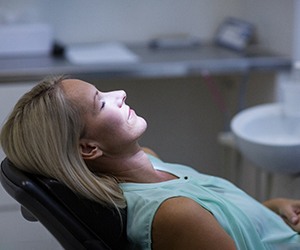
<point x="76" y="223"/>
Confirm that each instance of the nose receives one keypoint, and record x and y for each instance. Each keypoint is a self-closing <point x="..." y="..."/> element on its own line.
<point x="116" y="97"/>
<point x="120" y="97"/>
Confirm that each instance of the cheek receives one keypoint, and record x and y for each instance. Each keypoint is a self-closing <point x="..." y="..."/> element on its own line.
<point x="102" y="128"/>
<point x="112" y="126"/>
<point x="123" y="129"/>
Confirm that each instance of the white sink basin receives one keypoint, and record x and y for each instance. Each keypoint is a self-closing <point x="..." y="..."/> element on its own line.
<point x="268" y="138"/>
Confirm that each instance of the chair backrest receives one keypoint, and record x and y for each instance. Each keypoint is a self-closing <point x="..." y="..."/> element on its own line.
<point x="77" y="223"/>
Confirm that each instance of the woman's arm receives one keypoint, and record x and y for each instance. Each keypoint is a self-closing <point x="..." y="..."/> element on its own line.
<point x="181" y="223"/>
<point x="288" y="209"/>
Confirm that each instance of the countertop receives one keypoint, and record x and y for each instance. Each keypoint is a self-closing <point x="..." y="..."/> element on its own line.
<point x="151" y="63"/>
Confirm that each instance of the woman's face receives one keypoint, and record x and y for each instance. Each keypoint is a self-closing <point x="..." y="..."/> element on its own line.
<point x="109" y="121"/>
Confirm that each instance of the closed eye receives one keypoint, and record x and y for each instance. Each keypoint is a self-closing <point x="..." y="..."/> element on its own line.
<point x="102" y="105"/>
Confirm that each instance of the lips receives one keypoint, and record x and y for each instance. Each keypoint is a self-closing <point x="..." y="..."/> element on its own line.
<point x="129" y="112"/>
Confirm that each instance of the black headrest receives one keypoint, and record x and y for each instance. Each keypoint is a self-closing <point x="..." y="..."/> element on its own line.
<point x="101" y="220"/>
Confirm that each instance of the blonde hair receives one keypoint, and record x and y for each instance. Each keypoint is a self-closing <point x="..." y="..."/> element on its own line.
<point x="42" y="136"/>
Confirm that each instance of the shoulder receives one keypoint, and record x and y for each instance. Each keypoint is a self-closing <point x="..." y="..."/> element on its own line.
<point x="181" y="223"/>
<point x="150" y="152"/>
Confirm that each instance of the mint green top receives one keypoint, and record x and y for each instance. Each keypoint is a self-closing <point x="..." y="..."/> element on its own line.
<point x="250" y="224"/>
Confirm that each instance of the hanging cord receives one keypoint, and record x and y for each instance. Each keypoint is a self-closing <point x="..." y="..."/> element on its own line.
<point x="243" y="92"/>
<point x="217" y="97"/>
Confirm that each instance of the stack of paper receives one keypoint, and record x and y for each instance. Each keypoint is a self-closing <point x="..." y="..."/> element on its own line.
<point x="100" y="53"/>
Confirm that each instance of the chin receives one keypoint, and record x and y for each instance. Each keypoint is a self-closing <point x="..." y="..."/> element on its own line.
<point x="145" y="124"/>
<point x="142" y="126"/>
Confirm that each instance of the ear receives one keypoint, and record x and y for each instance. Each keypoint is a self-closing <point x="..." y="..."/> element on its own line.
<point x="89" y="150"/>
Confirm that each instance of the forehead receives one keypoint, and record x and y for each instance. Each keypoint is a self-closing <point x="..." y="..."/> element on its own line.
<point x="77" y="89"/>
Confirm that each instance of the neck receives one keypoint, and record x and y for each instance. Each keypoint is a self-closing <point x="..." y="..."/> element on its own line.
<point x="133" y="166"/>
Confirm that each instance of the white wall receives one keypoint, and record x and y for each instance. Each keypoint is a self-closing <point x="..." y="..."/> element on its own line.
<point x="296" y="35"/>
<point x="137" y="20"/>
<point x="274" y="20"/>
<point x="132" y="20"/>
<point x="140" y="20"/>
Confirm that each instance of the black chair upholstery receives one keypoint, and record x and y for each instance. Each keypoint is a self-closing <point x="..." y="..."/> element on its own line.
<point x="77" y="223"/>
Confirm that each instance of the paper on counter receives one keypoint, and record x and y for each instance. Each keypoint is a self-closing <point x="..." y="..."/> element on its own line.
<point x="100" y="53"/>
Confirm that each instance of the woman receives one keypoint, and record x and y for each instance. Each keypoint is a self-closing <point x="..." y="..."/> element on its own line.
<point x="69" y="130"/>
